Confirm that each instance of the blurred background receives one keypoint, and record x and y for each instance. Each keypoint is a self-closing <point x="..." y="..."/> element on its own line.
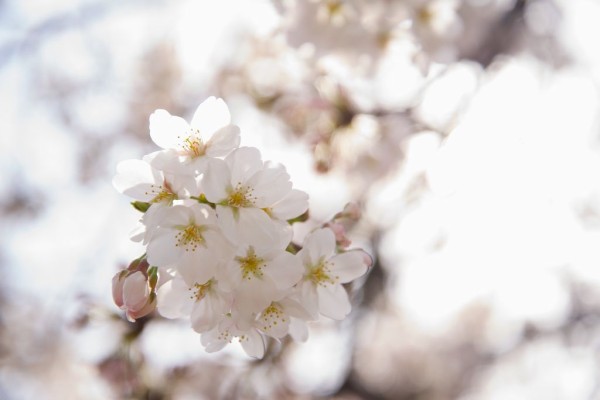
<point x="466" y="130"/>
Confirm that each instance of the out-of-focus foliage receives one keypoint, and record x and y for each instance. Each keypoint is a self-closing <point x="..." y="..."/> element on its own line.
<point x="466" y="130"/>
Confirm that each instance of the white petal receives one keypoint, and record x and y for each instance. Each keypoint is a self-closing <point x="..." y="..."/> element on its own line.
<point x="295" y="308"/>
<point x="198" y="266"/>
<point x="165" y="274"/>
<point x="254" y="344"/>
<point x="256" y="227"/>
<point x="138" y="233"/>
<point x="166" y="130"/>
<point x="175" y="216"/>
<point x="162" y="250"/>
<point x="349" y="266"/>
<point x="211" y="115"/>
<point x="294" y="204"/>
<point x="285" y="270"/>
<point x="227" y="219"/>
<point x="134" y="178"/>
<point x="319" y="243"/>
<point x="173" y="299"/>
<point x="270" y="185"/>
<point x="171" y="162"/>
<point x="243" y="164"/>
<point x="216" y="180"/>
<point x="310" y="299"/>
<point x="154" y="216"/>
<point x="333" y="301"/>
<point x="298" y="330"/>
<point x="182" y="185"/>
<point x="205" y="315"/>
<point x="218" y="244"/>
<point x="211" y="341"/>
<point x="254" y="296"/>
<point x="242" y="321"/>
<point x="203" y="215"/>
<point x="197" y="165"/>
<point x="274" y="321"/>
<point x="229" y="275"/>
<point x="224" y="141"/>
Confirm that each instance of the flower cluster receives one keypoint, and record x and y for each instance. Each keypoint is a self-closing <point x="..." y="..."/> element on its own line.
<point x="218" y="238"/>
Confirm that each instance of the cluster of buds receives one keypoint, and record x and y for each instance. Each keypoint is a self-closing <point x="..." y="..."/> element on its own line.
<point x="216" y="226"/>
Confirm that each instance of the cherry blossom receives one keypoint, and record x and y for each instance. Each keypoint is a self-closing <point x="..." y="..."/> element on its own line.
<point x="187" y="296"/>
<point x="210" y="133"/>
<point x="252" y="341"/>
<point x="253" y="199"/>
<point x="259" y="276"/>
<point x="141" y="181"/>
<point x="187" y="236"/>
<point x="134" y="288"/>
<point x="216" y="227"/>
<point x="321" y="288"/>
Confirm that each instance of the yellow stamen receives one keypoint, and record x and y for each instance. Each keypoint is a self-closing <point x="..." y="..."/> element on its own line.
<point x="321" y="275"/>
<point x="200" y="290"/>
<point x="241" y="196"/>
<point x="251" y="265"/>
<point x="190" y="237"/>
<point x="271" y="316"/>
<point x="162" y="194"/>
<point x="192" y="145"/>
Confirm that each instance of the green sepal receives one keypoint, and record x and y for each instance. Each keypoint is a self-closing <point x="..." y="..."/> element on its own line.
<point x="203" y="200"/>
<point x="300" y="218"/>
<point x="141" y="206"/>
<point x="293" y="248"/>
<point x="152" y="277"/>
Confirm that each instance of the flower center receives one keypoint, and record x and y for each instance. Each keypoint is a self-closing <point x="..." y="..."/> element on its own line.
<point x="224" y="336"/>
<point x="162" y="194"/>
<point x="190" y="237"/>
<point x="321" y="275"/>
<point x="200" y="290"/>
<point x="241" y="196"/>
<point x="192" y="144"/>
<point x="271" y="317"/>
<point x="251" y="265"/>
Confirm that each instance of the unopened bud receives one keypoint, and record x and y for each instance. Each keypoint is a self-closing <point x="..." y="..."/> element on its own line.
<point x="134" y="289"/>
<point x="117" y="287"/>
<point x="340" y="234"/>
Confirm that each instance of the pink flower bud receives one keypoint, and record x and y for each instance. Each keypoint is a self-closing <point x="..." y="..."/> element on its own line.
<point x="137" y="299"/>
<point x="117" y="287"/>
<point x="132" y="291"/>
<point x="340" y="234"/>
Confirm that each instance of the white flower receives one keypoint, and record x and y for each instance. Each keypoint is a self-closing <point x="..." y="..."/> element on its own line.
<point x="140" y="181"/>
<point x="187" y="237"/>
<point x="259" y="276"/>
<point x="282" y="317"/>
<point x="276" y="320"/>
<point x="209" y="134"/>
<point x="187" y="295"/>
<point x="321" y="289"/>
<point x="254" y="199"/>
<point x="252" y="341"/>
<point x="216" y="231"/>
